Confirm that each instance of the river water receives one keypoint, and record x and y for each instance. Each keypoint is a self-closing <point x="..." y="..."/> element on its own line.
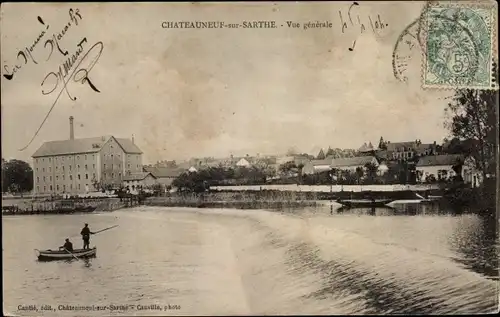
<point x="408" y="260"/>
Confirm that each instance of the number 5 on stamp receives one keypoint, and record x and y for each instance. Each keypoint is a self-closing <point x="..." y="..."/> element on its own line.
<point x="459" y="46"/>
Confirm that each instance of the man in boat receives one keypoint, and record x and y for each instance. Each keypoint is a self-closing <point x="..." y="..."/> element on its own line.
<point x="86" y="236"/>
<point x="67" y="246"/>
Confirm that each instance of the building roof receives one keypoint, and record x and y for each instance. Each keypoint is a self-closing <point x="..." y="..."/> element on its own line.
<point x="352" y="161"/>
<point x="128" y="146"/>
<point x="366" y="147"/>
<point x="164" y="172"/>
<point x="137" y="176"/>
<point x="439" y="160"/>
<point x="321" y="162"/>
<point x="85" y="145"/>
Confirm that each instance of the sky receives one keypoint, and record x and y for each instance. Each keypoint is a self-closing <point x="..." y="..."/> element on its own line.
<point x="215" y="92"/>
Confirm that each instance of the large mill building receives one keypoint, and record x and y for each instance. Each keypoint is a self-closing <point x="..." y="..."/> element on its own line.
<point x="75" y="165"/>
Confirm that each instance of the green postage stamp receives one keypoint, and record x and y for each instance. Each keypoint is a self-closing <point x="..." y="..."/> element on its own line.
<point x="460" y="45"/>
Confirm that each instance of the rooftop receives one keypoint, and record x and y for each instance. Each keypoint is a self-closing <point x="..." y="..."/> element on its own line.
<point x="439" y="160"/>
<point x="86" y="145"/>
<point x="352" y="161"/>
<point x="137" y="176"/>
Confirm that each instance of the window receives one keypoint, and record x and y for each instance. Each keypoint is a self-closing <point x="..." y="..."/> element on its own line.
<point x="37" y="169"/>
<point x="64" y="187"/>
<point x="38" y="179"/>
<point x="93" y="166"/>
<point x="104" y="165"/>
<point x="44" y="178"/>
<point x="78" y="167"/>
<point x="38" y="188"/>
<point x="70" y="186"/>
<point x="93" y="175"/>
<point x="112" y="167"/>
<point x="63" y="177"/>
<point x="57" y="178"/>
<point x="51" y="179"/>
<point x="43" y="169"/>
<point x="78" y="157"/>
<point x="79" y="186"/>
<point x="50" y="187"/>
<point x="120" y="175"/>
<point x="111" y="156"/>
<point x="43" y="160"/>
<point x="50" y="169"/>
<point x="56" y="168"/>
<point x="57" y="187"/>
<point x="128" y="165"/>
<point x="85" y="157"/>
<point x="78" y="176"/>
<point x="63" y="168"/>
<point x="119" y="166"/>
<point x="62" y="158"/>
<point x="112" y="175"/>
<point x="85" y="166"/>
<point x="70" y="177"/>
<point x="50" y="161"/>
<point x="44" y="188"/>
<point x="70" y="168"/>
<point x="86" y="176"/>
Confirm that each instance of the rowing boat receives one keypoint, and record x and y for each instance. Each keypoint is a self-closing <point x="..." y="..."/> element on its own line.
<point x="352" y="203"/>
<point x="52" y="255"/>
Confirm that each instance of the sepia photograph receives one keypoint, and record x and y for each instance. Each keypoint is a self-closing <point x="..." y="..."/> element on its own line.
<point x="250" y="158"/>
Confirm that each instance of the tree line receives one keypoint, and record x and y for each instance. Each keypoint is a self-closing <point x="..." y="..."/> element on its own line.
<point x="17" y="176"/>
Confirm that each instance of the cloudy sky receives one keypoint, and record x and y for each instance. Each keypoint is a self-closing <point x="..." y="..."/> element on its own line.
<point x="215" y="92"/>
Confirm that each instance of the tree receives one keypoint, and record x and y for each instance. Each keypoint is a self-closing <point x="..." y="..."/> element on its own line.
<point x="359" y="173"/>
<point x="300" y="167"/>
<point x="472" y="117"/>
<point x="321" y="155"/>
<point x="17" y="176"/>
<point x="371" y="172"/>
<point x="381" y="144"/>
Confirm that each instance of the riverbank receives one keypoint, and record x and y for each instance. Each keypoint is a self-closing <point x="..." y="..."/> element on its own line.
<point x="269" y="199"/>
<point x="28" y="206"/>
<point x="242" y="200"/>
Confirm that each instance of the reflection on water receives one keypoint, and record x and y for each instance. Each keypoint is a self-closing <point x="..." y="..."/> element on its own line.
<point x="324" y="260"/>
<point x="474" y="238"/>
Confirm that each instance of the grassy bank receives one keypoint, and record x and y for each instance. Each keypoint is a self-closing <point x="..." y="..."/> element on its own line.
<point x="238" y="200"/>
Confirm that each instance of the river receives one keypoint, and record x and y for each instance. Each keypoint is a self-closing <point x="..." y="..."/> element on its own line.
<point x="186" y="261"/>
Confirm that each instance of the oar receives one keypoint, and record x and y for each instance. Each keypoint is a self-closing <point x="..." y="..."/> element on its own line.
<point x="106" y="229"/>
<point x="72" y="254"/>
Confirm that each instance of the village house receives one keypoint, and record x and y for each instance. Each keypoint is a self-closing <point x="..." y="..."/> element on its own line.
<point x="404" y="151"/>
<point x="470" y="173"/>
<point x="353" y="163"/>
<point x="317" y="166"/>
<point x="75" y="165"/>
<point x="243" y="162"/>
<point x="438" y="167"/>
<point x="136" y="181"/>
<point x="164" y="175"/>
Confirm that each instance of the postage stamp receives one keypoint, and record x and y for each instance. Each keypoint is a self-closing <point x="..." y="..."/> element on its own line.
<point x="459" y="46"/>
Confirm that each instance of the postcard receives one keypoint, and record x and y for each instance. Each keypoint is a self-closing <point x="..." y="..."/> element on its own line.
<point x="249" y="158"/>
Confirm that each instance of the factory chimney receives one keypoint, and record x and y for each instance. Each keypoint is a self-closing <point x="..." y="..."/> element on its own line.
<point x="71" y="129"/>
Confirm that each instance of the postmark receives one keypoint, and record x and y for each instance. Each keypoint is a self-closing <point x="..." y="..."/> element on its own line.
<point x="458" y="46"/>
<point x="409" y="48"/>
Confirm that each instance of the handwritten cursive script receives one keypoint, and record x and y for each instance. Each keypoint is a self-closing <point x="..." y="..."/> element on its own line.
<point x="27" y="54"/>
<point x="69" y="73"/>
